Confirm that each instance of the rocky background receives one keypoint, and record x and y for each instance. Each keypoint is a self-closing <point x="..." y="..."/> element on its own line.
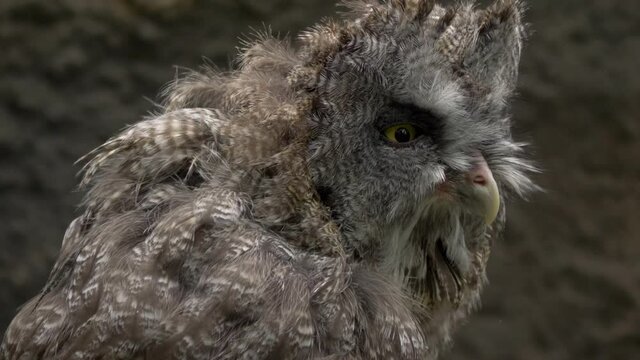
<point x="565" y="281"/>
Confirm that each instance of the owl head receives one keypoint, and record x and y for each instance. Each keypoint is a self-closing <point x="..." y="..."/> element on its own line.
<point x="410" y="143"/>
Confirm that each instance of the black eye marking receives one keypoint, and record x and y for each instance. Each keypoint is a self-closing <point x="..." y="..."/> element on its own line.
<point x="401" y="124"/>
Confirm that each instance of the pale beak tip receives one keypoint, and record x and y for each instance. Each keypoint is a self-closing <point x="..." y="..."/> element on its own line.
<point x="493" y="203"/>
<point x="486" y="189"/>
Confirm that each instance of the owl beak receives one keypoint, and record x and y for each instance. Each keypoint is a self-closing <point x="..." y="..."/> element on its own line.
<point x="484" y="189"/>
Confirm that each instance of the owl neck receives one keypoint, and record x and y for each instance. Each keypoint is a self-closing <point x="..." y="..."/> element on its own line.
<point x="438" y="256"/>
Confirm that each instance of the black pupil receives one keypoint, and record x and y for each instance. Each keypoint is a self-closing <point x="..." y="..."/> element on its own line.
<point x="403" y="135"/>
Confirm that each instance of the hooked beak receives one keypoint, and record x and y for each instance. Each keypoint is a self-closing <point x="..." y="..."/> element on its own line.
<point x="483" y="187"/>
<point x="479" y="187"/>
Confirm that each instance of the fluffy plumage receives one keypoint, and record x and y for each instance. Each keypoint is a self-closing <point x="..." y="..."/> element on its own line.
<point x="262" y="215"/>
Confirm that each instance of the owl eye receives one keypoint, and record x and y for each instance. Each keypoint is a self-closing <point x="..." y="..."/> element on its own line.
<point x="401" y="133"/>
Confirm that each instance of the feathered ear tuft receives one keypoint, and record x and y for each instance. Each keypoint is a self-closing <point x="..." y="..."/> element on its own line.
<point x="424" y="8"/>
<point x="415" y="10"/>
<point x="485" y="44"/>
<point x="496" y="54"/>
<point x="399" y="4"/>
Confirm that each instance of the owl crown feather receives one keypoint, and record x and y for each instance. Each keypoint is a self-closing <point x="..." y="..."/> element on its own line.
<point x="483" y="43"/>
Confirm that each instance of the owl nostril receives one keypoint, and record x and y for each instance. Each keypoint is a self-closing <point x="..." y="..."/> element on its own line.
<point x="480" y="174"/>
<point x="482" y="187"/>
<point x="479" y="180"/>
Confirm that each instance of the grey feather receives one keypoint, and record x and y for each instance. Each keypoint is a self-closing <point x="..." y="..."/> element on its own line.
<point x="262" y="214"/>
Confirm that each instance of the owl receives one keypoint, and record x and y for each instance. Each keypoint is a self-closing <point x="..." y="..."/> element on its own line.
<point x="334" y="198"/>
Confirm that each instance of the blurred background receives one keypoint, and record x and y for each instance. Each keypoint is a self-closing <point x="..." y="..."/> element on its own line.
<point x="565" y="280"/>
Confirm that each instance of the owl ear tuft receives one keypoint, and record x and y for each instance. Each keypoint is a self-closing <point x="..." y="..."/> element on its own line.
<point x="485" y="44"/>
<point x="399" y="4"/>
<point x="425" y="7"/>
<point x="417" y="10"/>
<point x="495" y="55"/>
<point x="414" y="9"/>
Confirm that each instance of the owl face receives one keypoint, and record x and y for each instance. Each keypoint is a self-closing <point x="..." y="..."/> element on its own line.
<point x="411" y="137"/>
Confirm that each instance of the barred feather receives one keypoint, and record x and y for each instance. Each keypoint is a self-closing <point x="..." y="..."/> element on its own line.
<point x="262" y="215"/>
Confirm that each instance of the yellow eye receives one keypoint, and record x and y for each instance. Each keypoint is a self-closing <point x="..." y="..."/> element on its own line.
<point x="401" y="133"/>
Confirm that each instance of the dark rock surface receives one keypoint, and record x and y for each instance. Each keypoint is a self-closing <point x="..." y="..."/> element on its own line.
<point x="565" y="281"/>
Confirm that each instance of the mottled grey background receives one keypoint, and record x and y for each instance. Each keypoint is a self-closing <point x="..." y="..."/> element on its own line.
<point x="565" y="282"/>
